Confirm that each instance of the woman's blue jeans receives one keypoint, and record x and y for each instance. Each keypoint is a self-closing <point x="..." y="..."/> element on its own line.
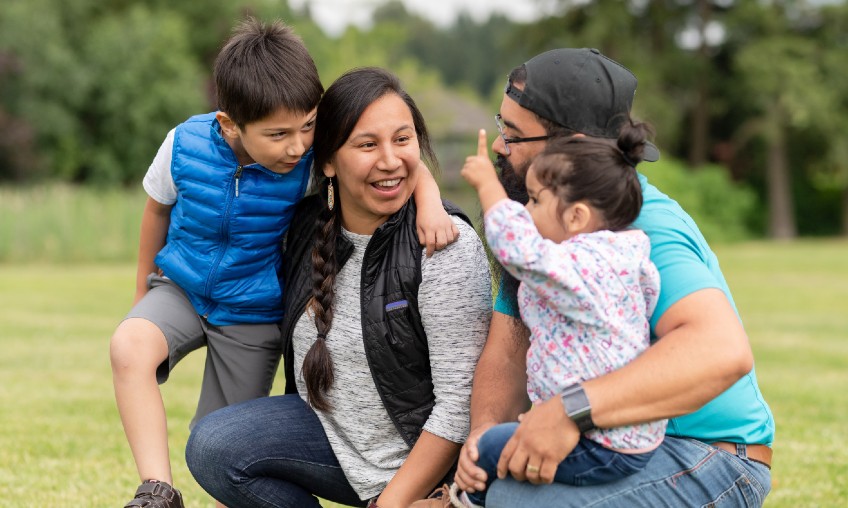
<point x="270" y="451"/>
<point x="682" y="472"/>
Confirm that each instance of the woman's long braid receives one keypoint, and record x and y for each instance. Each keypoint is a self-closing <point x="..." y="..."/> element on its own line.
<point x="340" y="109"/>
<point x="318" y="364"/>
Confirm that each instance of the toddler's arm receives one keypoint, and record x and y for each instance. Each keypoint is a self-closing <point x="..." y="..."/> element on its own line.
<point x="436" y="230"/>
<point x="480" y="173"/>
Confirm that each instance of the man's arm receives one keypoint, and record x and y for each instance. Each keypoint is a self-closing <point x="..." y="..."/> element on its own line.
<point x="702" y="351"/>
<point x="499" y="392"/>
<point x="154" y="230"/>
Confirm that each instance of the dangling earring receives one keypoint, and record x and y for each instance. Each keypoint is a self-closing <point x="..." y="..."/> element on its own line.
<point x="331" y="196"/>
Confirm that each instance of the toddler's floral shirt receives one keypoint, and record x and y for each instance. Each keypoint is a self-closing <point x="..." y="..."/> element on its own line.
<point x="587" y="302"/>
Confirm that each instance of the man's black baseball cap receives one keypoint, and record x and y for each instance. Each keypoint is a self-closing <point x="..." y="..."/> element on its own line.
<point x="581" y="90"/>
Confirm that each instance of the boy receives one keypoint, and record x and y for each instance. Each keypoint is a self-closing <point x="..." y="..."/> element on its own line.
<point x="222" y="189"/>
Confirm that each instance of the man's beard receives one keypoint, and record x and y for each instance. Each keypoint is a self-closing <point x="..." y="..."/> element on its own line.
<point x="512" y="180"/>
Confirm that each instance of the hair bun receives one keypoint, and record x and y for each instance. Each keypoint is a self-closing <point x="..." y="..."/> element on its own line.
<point x="631" y="141"/>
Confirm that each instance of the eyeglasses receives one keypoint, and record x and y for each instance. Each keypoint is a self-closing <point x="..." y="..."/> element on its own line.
<point x="507" y="141"/>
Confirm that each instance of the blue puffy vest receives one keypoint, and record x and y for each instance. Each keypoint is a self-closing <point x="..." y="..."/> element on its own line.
<point x="227" y="225"/>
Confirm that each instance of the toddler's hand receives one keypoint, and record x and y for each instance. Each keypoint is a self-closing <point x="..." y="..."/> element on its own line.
<point x="480" y="173"/>
<point x="478" y="169"/>
<point x="436" y="230"/>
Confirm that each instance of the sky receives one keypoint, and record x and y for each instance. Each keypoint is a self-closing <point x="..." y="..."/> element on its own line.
<point x="334" y="15"/>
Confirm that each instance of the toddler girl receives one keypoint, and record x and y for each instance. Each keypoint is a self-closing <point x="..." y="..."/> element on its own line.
<point x="587" y="291"/>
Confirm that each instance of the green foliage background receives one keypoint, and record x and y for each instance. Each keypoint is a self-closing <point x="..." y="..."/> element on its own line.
<point x="88" y="89"/>
<point x="723" y="210"/>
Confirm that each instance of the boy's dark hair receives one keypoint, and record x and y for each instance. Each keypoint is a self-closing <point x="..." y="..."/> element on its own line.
<point x="263" y="68"/>
<point x="340" y="109"/>
<point x="598" y="172"/>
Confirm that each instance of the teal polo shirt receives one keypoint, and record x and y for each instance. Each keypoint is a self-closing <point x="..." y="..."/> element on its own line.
<point x="687" y="264"/>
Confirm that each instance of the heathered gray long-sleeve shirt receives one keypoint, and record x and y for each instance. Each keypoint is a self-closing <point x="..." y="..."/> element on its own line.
<point x="455" y="303"/>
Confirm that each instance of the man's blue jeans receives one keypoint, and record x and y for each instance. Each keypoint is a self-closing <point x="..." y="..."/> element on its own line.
<point x="682" y="472"/>
<point x="270" y="451"/>
<point x="588" y="464"/>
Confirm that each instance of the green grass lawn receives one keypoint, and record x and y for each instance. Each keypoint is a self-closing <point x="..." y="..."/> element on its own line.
<point x="793" y="299"/>
<point x="61" y="442"/>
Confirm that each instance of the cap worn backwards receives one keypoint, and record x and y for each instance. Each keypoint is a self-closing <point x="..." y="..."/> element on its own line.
<point x="580" y="89"/>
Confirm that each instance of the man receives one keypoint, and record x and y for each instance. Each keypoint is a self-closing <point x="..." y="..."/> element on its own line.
<point x="698" y="372"/>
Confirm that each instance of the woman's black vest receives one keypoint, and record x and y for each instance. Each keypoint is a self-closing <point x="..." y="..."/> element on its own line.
<point x="395" y="343"/>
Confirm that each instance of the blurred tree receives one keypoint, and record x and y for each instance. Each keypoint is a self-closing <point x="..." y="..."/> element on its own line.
<point x="467" y="54"/>
<point x="44" y="86"/>
<point x="381" y="45"/>
<point x="699" y="131"/>
<point x="149" y="82"/>
<point x="831" y="172"/>
<point x="638" y="34"/>
<point x="701" y="64"/>
<point x="208" y="23"/>
<point x="91" y="87"/>
<point x="780" y="74"/>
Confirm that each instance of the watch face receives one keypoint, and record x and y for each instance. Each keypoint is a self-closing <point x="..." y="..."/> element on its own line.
<point x="577" y="407"/>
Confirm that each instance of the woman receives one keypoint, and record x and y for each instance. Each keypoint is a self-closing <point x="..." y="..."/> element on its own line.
<point x="381" y="341"/>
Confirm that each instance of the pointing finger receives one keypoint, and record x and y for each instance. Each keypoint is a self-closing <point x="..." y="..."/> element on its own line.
<point x="482" y="144"/>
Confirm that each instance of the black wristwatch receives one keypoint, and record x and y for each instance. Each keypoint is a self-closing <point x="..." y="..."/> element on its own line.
<point x="577" y="407"/>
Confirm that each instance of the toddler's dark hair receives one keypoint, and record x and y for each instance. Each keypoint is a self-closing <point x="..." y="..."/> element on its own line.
<point x="262" y="69"/>
<point x="598" y="172"/>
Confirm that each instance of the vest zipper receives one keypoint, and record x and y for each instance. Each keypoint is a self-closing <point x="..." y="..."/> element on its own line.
<point x="225" y="233"/>
<point x="239" y="169"/>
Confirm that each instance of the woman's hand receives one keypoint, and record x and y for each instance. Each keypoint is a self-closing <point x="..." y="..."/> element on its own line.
<point x="428" y="462"/>
<point x="480" y="173"/>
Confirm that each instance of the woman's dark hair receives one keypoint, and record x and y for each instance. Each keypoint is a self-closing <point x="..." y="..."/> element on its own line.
<point x="597" y="172"/>
<point x="338" y="112"/>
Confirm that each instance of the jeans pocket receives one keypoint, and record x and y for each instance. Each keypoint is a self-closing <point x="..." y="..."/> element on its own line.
<point x="741" y="493"/>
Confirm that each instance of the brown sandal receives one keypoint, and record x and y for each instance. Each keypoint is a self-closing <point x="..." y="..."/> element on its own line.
<point x="156" y="494"/>
<point x="446" y="496"/>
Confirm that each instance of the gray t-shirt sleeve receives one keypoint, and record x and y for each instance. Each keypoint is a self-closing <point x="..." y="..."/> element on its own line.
<point x="455" y="302"/>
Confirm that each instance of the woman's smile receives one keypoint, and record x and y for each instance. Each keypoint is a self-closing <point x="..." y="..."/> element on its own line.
<point x="388" y="188"/>
<point x="388" y="183"/>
